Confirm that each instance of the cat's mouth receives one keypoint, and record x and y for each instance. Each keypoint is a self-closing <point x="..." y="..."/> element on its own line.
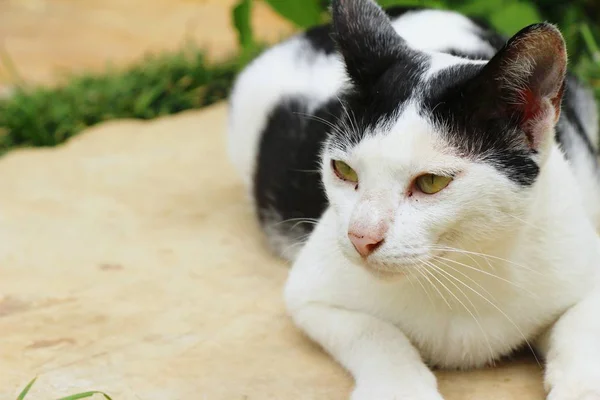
<point x="402" y="265"/>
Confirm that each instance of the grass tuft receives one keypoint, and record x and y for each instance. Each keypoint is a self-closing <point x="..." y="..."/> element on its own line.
<point x="158" y="85"/>
<point x="78" y="396"/>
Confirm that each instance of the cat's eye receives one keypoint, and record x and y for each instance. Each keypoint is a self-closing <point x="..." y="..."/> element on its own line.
<point x="430" y="183"/>
<point x="344" y="171"/>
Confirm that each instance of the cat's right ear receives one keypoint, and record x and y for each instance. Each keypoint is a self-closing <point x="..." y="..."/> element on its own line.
<point x="366" y="39"/>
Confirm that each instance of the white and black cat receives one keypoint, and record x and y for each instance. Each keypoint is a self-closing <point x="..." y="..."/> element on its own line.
<point x="438" y="189"/>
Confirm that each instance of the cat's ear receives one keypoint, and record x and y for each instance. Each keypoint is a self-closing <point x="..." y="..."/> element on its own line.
<point x="527" y="77"/>
<point x="366" y="38"/>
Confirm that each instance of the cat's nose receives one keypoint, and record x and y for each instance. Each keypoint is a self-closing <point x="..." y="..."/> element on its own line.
<point x="365" y="243"/>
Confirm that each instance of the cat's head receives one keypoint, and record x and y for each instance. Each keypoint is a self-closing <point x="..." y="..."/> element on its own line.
<point x="433" y="152"/>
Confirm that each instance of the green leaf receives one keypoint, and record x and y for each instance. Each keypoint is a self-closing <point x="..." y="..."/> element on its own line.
<point x="514" y="16"/>
<point x="304" y="13"/>
<point x="242" y="22"/>
<point x="85" y="396"/>
<point x="26" y="389"/>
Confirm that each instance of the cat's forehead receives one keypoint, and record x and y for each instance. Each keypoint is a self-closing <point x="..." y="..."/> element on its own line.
<point x="419" y="81"/>
<point x="408" y="142"/>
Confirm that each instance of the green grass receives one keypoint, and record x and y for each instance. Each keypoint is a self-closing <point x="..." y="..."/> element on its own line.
<point x="156" y="86"/>
<point x="78" y="396"/>
<point x="173" y="82"/>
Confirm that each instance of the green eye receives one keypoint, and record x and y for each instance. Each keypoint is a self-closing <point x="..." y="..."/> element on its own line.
<point x="344" y="171"/>
<point x="430" y="183"/>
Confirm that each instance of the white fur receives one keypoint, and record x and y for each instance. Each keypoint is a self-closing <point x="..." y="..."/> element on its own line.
<point x="290" y="68"/>
<point x="528" y="271"/>
<point x="435" y="30"/>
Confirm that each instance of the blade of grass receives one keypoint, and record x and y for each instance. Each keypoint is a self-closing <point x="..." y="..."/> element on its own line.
<point x="85" y="396"/>
<point x="26" y="389"/>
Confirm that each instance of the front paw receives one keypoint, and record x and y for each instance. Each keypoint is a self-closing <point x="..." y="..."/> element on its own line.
<point x="568" y="382"/>
<point x="393" y="392"/>
<point x="575" y="392"/>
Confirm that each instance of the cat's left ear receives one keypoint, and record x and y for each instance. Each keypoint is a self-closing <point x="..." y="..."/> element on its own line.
<point x="527" y="78"/>
<point x="366" y="38"/>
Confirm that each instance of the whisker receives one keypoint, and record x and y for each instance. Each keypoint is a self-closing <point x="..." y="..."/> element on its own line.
<point x="447" y="274"/>
<point x="509" y="320"/>
<point x="455" y="250"/>
<point x="423" y="286"/>
<point x="466" y="276"/>
<point x="485" y="273"/>
<point x="301" y="220"/>
<point x="308" y="171"/>
<point x="435" y="287"/>
<point x="322" y="120"/>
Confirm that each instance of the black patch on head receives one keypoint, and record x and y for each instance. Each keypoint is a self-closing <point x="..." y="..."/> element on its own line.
<point x="382" y="67"/>
<point x="472" y="125"/>
<point x="369" y="106"/>
<point x="320" y="39"/>
<point x="495" y="112"/>
<point x="287" y="182"/>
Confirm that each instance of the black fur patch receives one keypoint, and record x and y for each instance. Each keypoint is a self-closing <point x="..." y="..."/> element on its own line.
<point x="320" y="37"/>
<point x="287" y="182"/>
<point x="471" y="124"/>
<point x="368" y="106"/>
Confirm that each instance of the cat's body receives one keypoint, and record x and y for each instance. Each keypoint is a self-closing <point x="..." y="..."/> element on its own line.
<point x="459" y="278"/>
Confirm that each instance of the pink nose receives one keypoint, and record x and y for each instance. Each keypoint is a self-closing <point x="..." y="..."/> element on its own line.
<point x="365" y="244"/>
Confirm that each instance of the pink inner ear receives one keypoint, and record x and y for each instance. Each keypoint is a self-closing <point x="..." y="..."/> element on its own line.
<point x="532" y="105"/>
<point x="538" y="117"/>
<point x="530" y="110"/>
<point x="535" y="118"/>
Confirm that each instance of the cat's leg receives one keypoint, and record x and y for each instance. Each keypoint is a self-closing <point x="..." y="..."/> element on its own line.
<point x="383" y="362"/>
<point x="572" y="350"/>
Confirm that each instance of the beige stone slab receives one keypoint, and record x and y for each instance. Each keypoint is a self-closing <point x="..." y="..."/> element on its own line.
<point x="130" y="262"/>
<point x="47" y="39"/>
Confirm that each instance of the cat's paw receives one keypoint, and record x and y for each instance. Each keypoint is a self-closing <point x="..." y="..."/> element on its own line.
<point x="574" y="393"/>
<point x="573" y="383"/>
<point x="575" y="389"/>
<point x="384" y="392"/>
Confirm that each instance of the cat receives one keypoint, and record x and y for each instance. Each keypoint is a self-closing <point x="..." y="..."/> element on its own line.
<point x="436" y="186"/>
